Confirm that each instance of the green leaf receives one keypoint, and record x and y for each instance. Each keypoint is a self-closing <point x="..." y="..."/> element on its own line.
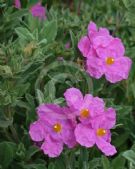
<point x="40" y="96"/>
<point x="126" y="3"/>
<point x="59" y="100"/>
<point x="49" y="32"/>
<point x="24" y="33"/>
<point x="130" y="155"/>
<point x="5" y="123"/>
<point x="30" y="100"/>
<point x="7" y="153"/>
<point x="49" y="90"/>
<point x="32" y="2"/>
<point x="5" y="71"/>
<point x="105" y="162"/>
<point x="51" y="166"/>
<point x="34" y="166"/>
<point x="118" y="163"/>
<point x="31" y="151"/>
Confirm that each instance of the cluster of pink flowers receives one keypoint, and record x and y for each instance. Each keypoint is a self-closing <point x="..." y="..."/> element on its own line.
<point x="104" y="54"/>
<point x="36" y="10"/>
<point x="85" y="121"/>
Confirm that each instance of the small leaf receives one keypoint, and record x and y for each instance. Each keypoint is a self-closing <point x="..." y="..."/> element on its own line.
<point x="7" y="153"/>
<point x="49" y="31"/>
<point x="40" y="96"/>
<point x="130" y="155"/>
<point x="24" y="33"/>
<point x="31" y="151"/>
<point x="118" y="162"/>
<point x="105" y="162"/>
<point x="5" y="123"/>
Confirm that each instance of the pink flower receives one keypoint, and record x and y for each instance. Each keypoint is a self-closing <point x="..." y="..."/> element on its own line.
<point x="98" y="132"/>
<point x="53" y="128"/>
<point x="104" y="54"/>
<point x="95" y="121"/>
<point x="17" y="4"/>
<point x="67" y="45"/>
<point x="38" y="11"/>
<point x="86" y="107"/>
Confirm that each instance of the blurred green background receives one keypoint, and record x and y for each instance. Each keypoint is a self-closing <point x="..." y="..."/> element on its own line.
<point x="35" y="67"/>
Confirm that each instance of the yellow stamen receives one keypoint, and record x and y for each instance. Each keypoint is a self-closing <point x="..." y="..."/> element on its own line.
<point x="109" y="60"/>
<point x="57" y="127"/>
<point x="101" y="132"/>
<point x="85" y="113"/>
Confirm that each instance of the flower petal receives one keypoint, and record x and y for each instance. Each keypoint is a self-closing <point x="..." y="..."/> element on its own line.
<point x="74" y="98"/>
<point x="110" y="115"/>
<point x="87" y="101"/>
<point x="104" y="31"/>
<point x="69" y="138"/>
<point x="117" y="46"/>
<point x="39" y="11"/>
<point x="119" y="70"/>
<point x="92" y="28"/>
<point x="105" y="120"/>
<point x="105" y="147"/>
<point x="50" y="112"/>
<point x="52" y="147"/>
<point x="95" y="67"/>
<point x="101" y="41"/>
<point x="37" y="132"/>
<point x="17" y="4"/>
<point x="85" y="135"/>
<point x="84" y="46"/>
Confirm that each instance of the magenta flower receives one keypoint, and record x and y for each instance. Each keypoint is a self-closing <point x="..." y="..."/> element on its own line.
<point x="67" y="45"/>
<point x="53" y="128"/>
<point x="38" y="11"/>
<point x="95" y="121"/>
<point x="17" y="4"/>
<point x="86" y="107"/>
<point x="104" y="54"/>
<point x="98" y="132"/>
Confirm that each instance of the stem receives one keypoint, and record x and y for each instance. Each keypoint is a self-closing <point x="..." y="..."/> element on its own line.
<point x="79" y="7"/>
<point x="71" y="5"/>
<point x="14" y="133"/>
<point x="7" y="135"/>
<point x="11" y="127"/>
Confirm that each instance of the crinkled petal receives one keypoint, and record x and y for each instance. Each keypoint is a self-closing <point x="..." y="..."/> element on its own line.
<point x="69" y="138"/>
<point x="101" y="41"/>
<point x="87" y="101"/>
<point x="37" y="132"/>
<point x="110" y="115"/>
<point x="85" y="135"/>
<point x="117" y="46"/>
<point x="119" y="70"/>
<point x="39" y="11"/>
<point x="105" y="147"/>
<point x="105" y="120"/>
<point x="17" y="4"/>
<point x="95" y="67"/>
<point x="92" y="28"/>
<point x="104" y="32"/>
<point x="52" y="147"/>
<point x="105" y="53"/>
<point x="74" y="98"/>
<point x="84" y="46"/>
<point x="98" y="106"/>
<point x="50" y="112"/>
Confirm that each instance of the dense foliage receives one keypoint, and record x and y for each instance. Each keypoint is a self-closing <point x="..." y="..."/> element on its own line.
<point x="36" y="67"/>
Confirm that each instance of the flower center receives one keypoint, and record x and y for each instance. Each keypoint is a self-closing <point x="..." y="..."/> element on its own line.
<point x="57" y="127"/>
<point x="101" y="132"/>
<point x="84" y="113"/>
<point x="109" y="60"/>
